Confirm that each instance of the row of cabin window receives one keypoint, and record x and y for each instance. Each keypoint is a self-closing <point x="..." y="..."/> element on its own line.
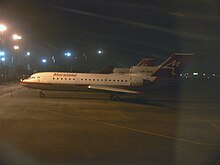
<point x="91" y="79"/>
<point x="105" y="80"/>
<point x="63" y="78"/>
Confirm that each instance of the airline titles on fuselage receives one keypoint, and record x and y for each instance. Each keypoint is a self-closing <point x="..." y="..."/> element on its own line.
<point x="65" y="74"/>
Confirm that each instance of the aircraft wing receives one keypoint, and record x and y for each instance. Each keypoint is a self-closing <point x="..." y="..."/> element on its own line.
<point x="112" y="89"/>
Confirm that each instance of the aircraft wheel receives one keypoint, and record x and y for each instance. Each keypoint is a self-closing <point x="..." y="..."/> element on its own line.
<point x="42" y="95"/>
<point x="117" y="97"/>
<point x="114" y="97"/>
<point x="111" y="97"/>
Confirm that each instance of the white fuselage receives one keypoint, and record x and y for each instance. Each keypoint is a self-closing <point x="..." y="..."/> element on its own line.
<point x="114" y="82"/>
<point x="78" y="81"/>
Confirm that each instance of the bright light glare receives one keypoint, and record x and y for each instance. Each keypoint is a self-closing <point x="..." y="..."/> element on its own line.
<point x="100" y="52"/>
<point x="3" y="59"/>
<point x="2" y="28"/>
<point x="16" y="37"/>
<point x="2" y="53"/>
<point x="195" y="74"/>
<point x="16" y="47"/>
<point x="68" y="54"/>
<point x="44" y="60"/>
<point x="28" y="53"/>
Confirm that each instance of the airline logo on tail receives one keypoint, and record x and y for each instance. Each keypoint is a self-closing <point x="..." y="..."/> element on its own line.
<point x="174" y="65"/>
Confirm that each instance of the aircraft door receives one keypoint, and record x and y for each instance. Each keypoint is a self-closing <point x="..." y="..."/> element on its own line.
<point x="38" y="79"/>
<point x="41" y="79"/>
<point x="130" y="81"/>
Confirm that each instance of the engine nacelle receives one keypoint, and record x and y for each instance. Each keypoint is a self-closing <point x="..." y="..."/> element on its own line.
<point x="138" y="69"/>
<point x="137" y="81"/>
<point x="121" y="70"/>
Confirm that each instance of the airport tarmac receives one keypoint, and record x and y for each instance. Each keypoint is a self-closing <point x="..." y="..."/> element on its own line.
<point x="161" y="127"/>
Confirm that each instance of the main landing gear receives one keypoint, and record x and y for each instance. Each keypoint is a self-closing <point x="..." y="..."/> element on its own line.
<point x="114" y="97"/>
<point x="42" y="95"/>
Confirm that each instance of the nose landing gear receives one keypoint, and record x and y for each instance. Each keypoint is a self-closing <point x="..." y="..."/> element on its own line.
<point x="42" y="95"/>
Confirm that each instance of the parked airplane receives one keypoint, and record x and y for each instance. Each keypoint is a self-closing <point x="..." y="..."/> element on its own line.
<point x="113" y="83"/>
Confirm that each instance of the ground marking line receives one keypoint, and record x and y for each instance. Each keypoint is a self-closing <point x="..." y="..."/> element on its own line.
<point x="137" y="130"/>
<point x="212" y="124"/>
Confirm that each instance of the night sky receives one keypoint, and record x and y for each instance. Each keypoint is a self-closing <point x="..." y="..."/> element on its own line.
<point x="125" y="30"/>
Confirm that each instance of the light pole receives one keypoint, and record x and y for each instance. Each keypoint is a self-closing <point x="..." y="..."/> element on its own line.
<point x="44" y="62"/>
<point x="3" y="68"/>
<point x="2" y="29"/>
<point x="2" y="60"/>
<point x="28" y="61"/>
<point x="68" y="55"/>
<point x="16" y="38"/>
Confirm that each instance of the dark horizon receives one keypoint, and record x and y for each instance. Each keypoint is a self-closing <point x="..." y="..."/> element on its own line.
<point x="126" y="31"/>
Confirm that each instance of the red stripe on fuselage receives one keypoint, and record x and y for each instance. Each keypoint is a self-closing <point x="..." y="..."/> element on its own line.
<point x="66" y="87"/>
<point x="36" y="83"/>
<point x="41" y="83"/>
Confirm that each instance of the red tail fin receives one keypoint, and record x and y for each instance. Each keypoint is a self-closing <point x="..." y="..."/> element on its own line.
<point x="174" y="65"/>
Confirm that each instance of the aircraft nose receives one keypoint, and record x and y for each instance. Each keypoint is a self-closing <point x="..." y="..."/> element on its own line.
<point x="22" y="81"/>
